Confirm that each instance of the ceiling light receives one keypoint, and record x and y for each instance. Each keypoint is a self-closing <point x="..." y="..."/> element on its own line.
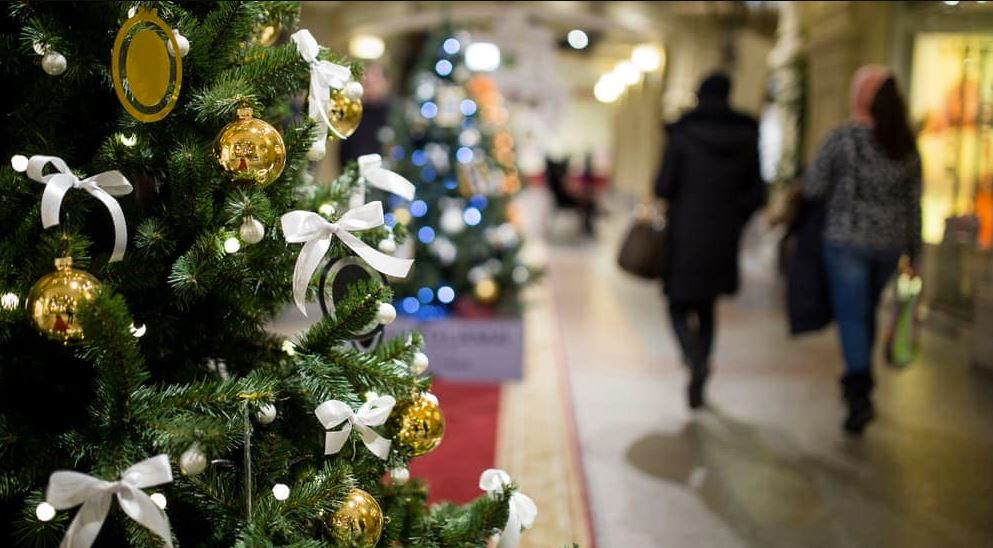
<point x="366" y="46"/>
<point x="482" y="57"/>
<point x="578" y="39"/>
<point x="647" y="58"/>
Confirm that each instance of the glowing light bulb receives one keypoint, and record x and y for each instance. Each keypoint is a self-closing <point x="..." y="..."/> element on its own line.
<point x="232" y="245"/>
<point x="577" y="39"/>
<point x="281" y="491"/>
<point x="45" y="512"/>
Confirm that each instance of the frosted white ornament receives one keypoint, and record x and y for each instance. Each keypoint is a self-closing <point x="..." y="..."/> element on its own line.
<point x="386" y="313"/>
<point x="251" y="231"/>
<point x="452" y="221"/>
<point x="387" y="245"/>
<point x="353" y="90"/>
<point x="192" y="461"/>
<point x="420" y="363"/>
<point x="159" y="500"/>
<point x="181" y="41"/>
<point x="266" y="414"/>
<point x="400" y="475"/>
<point x="44" y="512"/>
<point x="54" y="63"/>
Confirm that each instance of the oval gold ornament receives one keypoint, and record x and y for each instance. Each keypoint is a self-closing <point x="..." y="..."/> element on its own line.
<point x="146" y="78"/>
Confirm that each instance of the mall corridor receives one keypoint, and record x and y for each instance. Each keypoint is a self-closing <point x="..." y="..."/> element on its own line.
<point x="766" y="464"/>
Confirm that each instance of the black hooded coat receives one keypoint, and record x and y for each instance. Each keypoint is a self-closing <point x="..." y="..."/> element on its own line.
<point x="711" y="180"/>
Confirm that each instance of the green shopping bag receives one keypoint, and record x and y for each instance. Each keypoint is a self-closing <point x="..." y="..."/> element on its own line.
<point x="903" y="340"/>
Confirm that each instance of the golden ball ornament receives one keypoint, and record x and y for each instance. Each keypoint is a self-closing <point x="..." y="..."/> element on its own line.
<point x="250" y="150"/>
<point x="344" y="114"/>
<point x="418" y="425"/>
<point x="54" y="300"/>
<point x="486" y="291"/>
<point x="358" y="523"/>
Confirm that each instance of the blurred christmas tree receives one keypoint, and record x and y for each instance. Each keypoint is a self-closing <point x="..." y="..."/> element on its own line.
<point x="452" y="140"/>
<point x="144" y="365"/>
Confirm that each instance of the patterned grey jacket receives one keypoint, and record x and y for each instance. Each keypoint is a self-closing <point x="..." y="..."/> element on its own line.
<point x="872" y="200"/>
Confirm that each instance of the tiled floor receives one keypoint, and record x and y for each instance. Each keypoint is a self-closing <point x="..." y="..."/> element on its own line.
<point x="767" y="464"/>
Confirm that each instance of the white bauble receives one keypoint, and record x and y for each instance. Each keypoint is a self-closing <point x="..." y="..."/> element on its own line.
<point x="388" y="246"/>
<point x="452" y="221"/>
<point x="251" y="231"/>
<point x="386" y="313"/>
<point x="266" y="414"/>
<point x="353" y="91"/>
<point x="400" y="475"/>
<point x="54" y="63"/>
<point x="420" y="363"/>
<point x="192" y="461"/>
<point x="181" y="41"/>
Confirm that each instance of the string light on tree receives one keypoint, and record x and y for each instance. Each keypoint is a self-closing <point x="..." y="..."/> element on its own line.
<point x="281" y="491"/>
<point x="577" y="39"/>
<point x="232" y="245"/>
<point x="9" y="301"/>
<point x="44" y="512"/>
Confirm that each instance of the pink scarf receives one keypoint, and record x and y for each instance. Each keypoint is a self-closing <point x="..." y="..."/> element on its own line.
<point x="865" y="85"/>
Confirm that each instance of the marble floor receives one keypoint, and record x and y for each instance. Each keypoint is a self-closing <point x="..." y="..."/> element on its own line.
<point x="766" y="465"/>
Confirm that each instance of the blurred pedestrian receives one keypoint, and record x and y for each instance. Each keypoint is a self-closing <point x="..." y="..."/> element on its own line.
<point x="869" y="173"/>
<point x="711" y="181"/>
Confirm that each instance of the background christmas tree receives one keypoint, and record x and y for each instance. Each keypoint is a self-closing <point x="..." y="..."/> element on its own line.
<point x="175" y="357"/>
<point x="452" y="141"/>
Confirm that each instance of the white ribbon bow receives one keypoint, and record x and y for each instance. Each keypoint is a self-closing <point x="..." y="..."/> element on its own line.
<point x="371" y="170"/>
<point x="523" y="510"/>
<point x="67" y="489"/>
<point x="315" y="232"/>
<point x="101" y="186"/>
<point x="324" y="75"/>
<point x="372" y="413"/>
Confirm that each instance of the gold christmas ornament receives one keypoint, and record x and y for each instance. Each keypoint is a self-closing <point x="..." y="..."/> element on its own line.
<point x="419" y="425"/>
<point x="250" y="150"/>
<point x="344" y="114"/>
<point x="358" y="523"/>
<point x="54" y="300"/>
<point x="486" y="291"/>
<point x="146" y="78"/>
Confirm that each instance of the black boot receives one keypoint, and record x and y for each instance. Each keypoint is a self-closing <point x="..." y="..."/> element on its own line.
<point x="694" y="391"/>
<point x="857" y="390"/>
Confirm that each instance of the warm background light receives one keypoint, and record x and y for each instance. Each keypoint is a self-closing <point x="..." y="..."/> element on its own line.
<point x="482" y="57"/>
<point x="366" y="46"/>
<point x="647" y="58"/>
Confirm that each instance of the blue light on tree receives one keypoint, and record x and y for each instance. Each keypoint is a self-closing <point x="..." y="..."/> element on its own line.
<point x="443" y="67"/>
<point x="425" y="234"/>
<point x="464" y="155"/>
<point x="389" y="219"/>
<point x="419" y="158"/>
<point x="468" y="107"/>
<point x="446" y="294"/>
<point x="472" y="216"/>
<point x="428" y="173"/>
<point x="451" y="46"/>
<point x="396" y="153"/>
<point x="425" y="295"/>
<point x="429" y="110"/>
<point x="478" y="201"/>
<point x="411" y="305"/>
<point x="418" y="208"/>
<point x="450" y="184"/>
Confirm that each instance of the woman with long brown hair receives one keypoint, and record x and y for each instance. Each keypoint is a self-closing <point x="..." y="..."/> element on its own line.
<point x="868" y="172"/>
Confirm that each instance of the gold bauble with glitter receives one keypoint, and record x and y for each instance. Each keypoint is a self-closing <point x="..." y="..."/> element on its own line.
<point x="250" y="150"/>
<point x="418" y="425"/>
<point x="358" y="523"/>
<point x="344" y="114"/>
<point x="54" y="300"/>
<point x="486" y="291"/>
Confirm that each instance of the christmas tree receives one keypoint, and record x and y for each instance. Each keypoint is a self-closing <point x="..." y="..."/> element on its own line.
<point x="452" y="140"/>
<point x="138" y="381"/>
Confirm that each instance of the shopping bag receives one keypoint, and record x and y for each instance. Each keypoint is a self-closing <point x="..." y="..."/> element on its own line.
<point x="643" y="250"/>
<point x="903" y="340"/>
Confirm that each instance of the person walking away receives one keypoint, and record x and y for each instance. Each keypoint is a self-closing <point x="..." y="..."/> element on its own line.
<point x="869" y="173"/>
<point x="710" y="178"/>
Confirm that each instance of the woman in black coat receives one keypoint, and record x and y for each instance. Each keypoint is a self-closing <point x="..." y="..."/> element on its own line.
<point x="710" y="178"/>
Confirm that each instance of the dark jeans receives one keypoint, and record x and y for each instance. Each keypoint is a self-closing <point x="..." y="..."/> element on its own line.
<point x="693" y="322"/>
<point x="856" y="277"/>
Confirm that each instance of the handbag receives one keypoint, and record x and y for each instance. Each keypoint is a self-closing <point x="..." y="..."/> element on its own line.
<point x="643" y="250"/>
<point x="903" y="339"/>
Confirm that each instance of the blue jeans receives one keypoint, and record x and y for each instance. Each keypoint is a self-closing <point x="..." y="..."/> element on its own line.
<point x="856" y="277"/>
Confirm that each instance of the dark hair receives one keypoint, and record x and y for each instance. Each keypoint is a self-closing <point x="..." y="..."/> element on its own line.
<point x="889" y="116"/>
<point x="714" y="89"/>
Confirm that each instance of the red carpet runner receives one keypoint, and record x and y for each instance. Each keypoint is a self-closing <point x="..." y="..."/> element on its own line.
<point x="469" y="446"/>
